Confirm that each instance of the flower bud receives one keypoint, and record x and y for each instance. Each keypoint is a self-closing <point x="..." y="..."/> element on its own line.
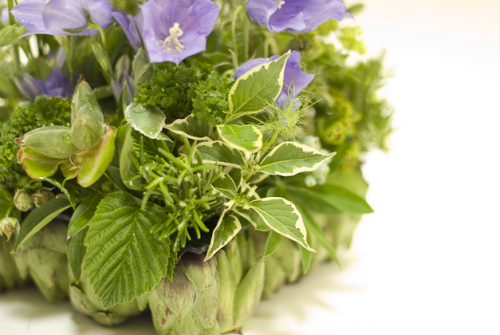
<point x="41" y="196"/>
<point x="23" y="200"/>
<point x="52" y="141"/>
<point x="87" y="120"/>
<point x="9" y="226"/>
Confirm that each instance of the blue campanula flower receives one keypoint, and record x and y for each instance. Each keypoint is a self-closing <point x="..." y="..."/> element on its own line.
<point x="298" y="16"/>
<point x="171" y="29"/>
<point x="295" y="79"/>
<point x="56" y="85"/>
<point x="128" y="24"/>
<point x="56" y="16"/>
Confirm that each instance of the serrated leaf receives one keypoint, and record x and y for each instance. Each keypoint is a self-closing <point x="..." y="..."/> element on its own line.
<point x="76" y="251"/>
<point x="291" y="158"/>
<point x="283" y="217"/>
<point x="124" y="260"/>
<point x="147" y="120"/>
<point x="39" y="218"/>
<point x="219" y="153"/>
<point x="343" y="199"/>
<point x="11" y="35"/>
<point x="191" y="128"/>
<point x="258" y="88"/>
<point x="244" y="138"/>
<point x="227" y="228"/>
<point x="226" y="186"/>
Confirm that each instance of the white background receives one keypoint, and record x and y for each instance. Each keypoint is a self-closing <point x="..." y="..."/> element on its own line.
<point x="427" y="262"/>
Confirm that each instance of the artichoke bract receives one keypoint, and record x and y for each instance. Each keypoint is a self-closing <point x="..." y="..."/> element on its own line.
<point x="87" y="120"/>
<point x="188" y="303"/>
<point x="84" y="299"/>
<point x="10" y="277"/>
<point x="43" y="258"/>
<point x="241" y="276"/>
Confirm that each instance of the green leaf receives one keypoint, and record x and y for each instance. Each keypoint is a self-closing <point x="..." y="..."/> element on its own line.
<point x="244" y="138"/>
<point x="226" y="186"/>
<point x="291" y="158"/>
<point x="76" y="251"/>
<point x="147" y="120"/>
<point x="273" y="243"/>
<point x="343" y="199"/>
<point x="143" y="70"/>
<point x="11" y="35"/>
<point x="258" y="88"/>
<point x="219" y="153"/>
<point x="318" y="233"/>
<point x="6" y="204"/>
<point x="124" y="260"/>
<point x="191" y="128"/>
<point x="227" y="228"/>
<point x="103" y="58"/>
<point x="39" y="218"/>
<point x="83" y="214"/>
<point x="283" y="217"/>
<point x="127" y="168"/>
<point x="313" y="201"/>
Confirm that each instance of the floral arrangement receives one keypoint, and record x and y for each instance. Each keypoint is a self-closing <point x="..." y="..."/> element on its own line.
<point x="185" y="156"/>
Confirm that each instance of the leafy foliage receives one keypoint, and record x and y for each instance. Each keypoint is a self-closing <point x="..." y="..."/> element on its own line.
<point x="169" y="87"/>
<point x="209" y="98"/>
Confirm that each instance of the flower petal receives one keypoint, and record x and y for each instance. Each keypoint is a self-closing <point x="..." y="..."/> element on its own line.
<point x="29" y="13"/>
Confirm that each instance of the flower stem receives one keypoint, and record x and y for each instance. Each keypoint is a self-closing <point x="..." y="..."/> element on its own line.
<point x="15" y="48"/>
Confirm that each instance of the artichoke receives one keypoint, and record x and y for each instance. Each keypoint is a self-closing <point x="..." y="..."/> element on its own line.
<point x="10" y="277"/>
<point x="241" y="275"/>
<point x="84" y="299"/>
<point x="187" y="304"/>
<point x="43" y="258"/>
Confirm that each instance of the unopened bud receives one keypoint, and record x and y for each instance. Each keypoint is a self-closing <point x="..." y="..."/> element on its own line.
<point x="9" y="226"/>
<point x="23" y="201"/>
<point x="42" y="196"/>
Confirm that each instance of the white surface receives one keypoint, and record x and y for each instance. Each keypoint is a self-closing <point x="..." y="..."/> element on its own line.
<point x="427" y="261"/>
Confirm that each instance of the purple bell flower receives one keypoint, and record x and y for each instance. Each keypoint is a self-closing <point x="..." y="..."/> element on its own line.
<point x="171" y="29"/>
<point x="51" y="18"/>
<point x="4" y="15"/>
<point x="298" y="16"/>
<point x="295" y="79"/>
<point x="56" y="85"/>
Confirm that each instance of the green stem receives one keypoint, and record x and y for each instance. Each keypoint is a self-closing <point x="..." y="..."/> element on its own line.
<point x="246" y="37"/>
<point x="269" y="143"/>
<point x="15" y="48"/>
<point x="233" y="30"/>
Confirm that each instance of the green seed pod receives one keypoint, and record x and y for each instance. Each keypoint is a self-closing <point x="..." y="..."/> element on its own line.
<point x="52" y="141"/>
<point x="41" y="196"/>
<point x="187" y="304"/>
<point x="23" y="200"/>
<point x="43" y="258"/>
<point x="87" y="120"/>
<point x="10" y="277"/>
<point x="332" y="132"/>
<point x="84" y="300"/>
